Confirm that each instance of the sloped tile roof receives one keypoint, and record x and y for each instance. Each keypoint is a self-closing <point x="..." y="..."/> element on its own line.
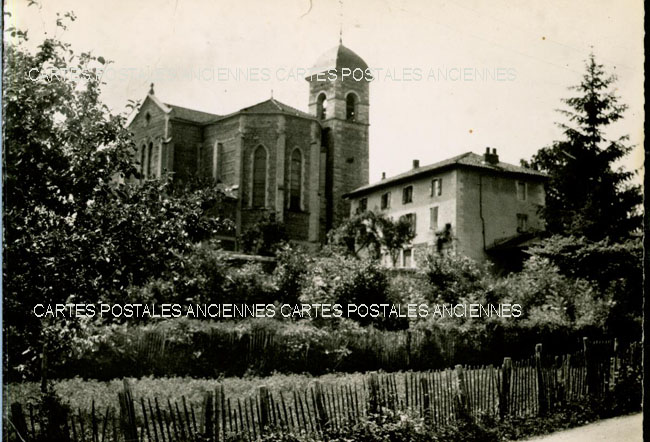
<point x="192" y="115"/>
<point x="468" y="159"/>
<point x="270" y="106"/>
<point x="273" y="106"/>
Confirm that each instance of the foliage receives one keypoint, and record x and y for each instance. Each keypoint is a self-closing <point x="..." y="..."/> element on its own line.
<point x="614" y="269"/>
<point x="585" y="195"/>
<point x="339" y="279"/>
<point x="373" y="234"/>
<point x="452" y="277"/>
<point x="264" y="238"/>
<point x="551" y="300"/>
<point x="75" y="230"/>
<point x="292" y="266"/>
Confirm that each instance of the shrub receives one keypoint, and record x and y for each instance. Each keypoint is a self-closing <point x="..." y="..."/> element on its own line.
<point x="451" y="276"/>
<point x="265" y="238"/>
<point x="291" y="267"/>
<point x="345" y="280"/>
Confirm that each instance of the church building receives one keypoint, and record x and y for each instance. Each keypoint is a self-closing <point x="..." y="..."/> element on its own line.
<point x="309" y="170"/>
<point x="276" y="161"/>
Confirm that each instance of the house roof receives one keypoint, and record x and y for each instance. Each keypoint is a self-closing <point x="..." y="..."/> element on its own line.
<point x="468" y="159"/>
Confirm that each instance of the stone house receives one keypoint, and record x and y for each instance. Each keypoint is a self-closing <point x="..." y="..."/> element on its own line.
<point x="474" y="205"/>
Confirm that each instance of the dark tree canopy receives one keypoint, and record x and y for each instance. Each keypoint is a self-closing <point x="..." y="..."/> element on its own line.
<point x="74" y="231"/>
<point x="587" y="195"/>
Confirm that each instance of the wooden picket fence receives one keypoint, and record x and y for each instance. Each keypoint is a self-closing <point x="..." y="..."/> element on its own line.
<point x="528" y="387"/>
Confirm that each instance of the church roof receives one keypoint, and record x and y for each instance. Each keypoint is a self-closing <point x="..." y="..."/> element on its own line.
<point x="192" y="115"/>
<point x="336" y="58"/>
<point x="468" y="159"/>
<point x="270" y="106"/>
<point x="273" y="106"/>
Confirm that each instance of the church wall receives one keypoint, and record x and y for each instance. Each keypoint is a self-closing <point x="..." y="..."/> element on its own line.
<point x="153" y="131"/>
<point x="225" y="132"/>
<point x="350" y="163"/>
<point x="298" y="132"/>
<point x="186" y="139"/>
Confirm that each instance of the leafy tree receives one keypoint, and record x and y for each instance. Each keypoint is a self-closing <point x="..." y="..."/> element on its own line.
<point x="372" y="234"/>
<point x="74" y="231"/>
<point x="614" y="269"/>
<point x="586" y="195"/>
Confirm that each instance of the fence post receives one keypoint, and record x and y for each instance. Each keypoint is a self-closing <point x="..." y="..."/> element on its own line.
<point x="590" y="368"/>
<point x="408" y="348"/>
<point x="373" y="386"/>
<point x="504" y="391"/>
<point x="542" y="403"/>
<point x="426" y="402"/>
<point x="127" y="413"/>
<point x="206" y="421"/>
<point x="461" y="392"/>
<point x="264" y="407"/>
<point x="321" y="412"/>
<point x="217" y="413"/>
<point x="18" y="420"/>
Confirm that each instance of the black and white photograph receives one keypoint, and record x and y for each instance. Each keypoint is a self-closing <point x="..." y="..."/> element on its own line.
<point x="322" y="220"/>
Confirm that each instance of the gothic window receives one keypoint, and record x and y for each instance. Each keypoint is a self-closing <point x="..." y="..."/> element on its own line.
<point x="217" y="152"/>
<point x="259" y="177"/>
<point x="150" y="161"/>
<point x="295" y="177"/>
<point x="199" y="159"/>
<point x="143" y="159"/>
<point x="351" y="105"/>
<point x="322" y="107"/>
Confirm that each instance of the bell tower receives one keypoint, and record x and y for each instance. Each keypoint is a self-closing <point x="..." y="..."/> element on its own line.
<point x="339" y="86"/>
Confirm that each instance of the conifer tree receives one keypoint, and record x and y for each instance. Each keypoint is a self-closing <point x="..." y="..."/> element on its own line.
<point x="587" y="194"/>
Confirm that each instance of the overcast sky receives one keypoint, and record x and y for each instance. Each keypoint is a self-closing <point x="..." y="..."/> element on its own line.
<point x="507" y="63"/>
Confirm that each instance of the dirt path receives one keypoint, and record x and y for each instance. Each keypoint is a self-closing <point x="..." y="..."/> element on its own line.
<point x="618" y="429"/>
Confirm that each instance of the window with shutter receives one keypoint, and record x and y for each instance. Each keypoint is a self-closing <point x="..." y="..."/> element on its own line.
<point x="521" y="190"/>
<point x="385" y="201"/>
<point x="407" y="195"/>
<point x="433" y="224"/>
<point x="436" y="187"/>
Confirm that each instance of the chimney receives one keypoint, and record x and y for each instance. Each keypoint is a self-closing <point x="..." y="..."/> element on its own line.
<point x="383" y="175"/>
<point x="416" y="164"/>
<point x="491" y="158"/>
